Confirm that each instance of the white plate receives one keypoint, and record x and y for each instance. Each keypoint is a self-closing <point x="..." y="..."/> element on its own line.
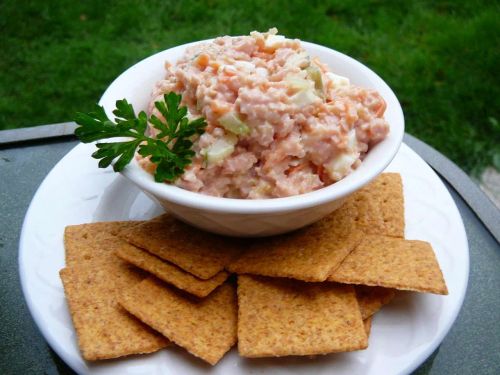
<point x="403" y="335"/>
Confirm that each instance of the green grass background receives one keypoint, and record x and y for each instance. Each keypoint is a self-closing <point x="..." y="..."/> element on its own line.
<point x="440" y="57"/>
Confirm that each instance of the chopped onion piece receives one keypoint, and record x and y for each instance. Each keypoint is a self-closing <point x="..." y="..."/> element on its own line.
<point x="274" y="41"/>
<point x="340" y="166"/>
<point x="338" y="81"/>
<point x="296" y="83"/>
<point x="304" y="97"/>
<point x="301" y="60"/>
<point x="244" y="65"/>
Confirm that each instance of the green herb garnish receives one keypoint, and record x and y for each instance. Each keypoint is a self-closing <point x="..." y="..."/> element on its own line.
<point x="170" y="150"/>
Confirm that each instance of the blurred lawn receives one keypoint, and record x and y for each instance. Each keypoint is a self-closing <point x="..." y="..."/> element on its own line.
<point x="440" y="57"/>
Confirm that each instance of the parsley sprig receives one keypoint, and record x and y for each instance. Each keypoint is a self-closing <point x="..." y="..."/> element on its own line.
<point x="170" y="150"/>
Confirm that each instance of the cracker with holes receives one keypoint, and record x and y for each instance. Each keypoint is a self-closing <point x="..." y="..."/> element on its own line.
<point x="104" y="329"/>
<point x="392" y="263"/>
<point x="282" y="317"/>
<point x="372" y="298"/>
<point x="93" y="242"/>
<point x="367" y="324"/>
<point x="307" y="254"/>
<point x="169" y="272"/>
<point x="93" y="279"/>
<point x="204" y="327"/>
<point x="200" y="253"/>
<point x="309" y="292"/>
<point x="379" y="206"/>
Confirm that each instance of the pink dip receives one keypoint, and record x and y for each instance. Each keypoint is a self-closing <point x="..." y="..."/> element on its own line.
<point x="279" y="122"/>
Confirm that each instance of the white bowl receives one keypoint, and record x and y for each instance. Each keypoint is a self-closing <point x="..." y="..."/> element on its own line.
<point x="261" y="217"/>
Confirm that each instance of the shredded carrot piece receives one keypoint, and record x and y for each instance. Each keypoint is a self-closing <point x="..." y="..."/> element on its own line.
<point x="203" y="60"/>
<point x="380" y="110"/>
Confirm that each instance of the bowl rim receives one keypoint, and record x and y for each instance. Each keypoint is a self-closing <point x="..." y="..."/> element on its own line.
<point x="335" y="191"/>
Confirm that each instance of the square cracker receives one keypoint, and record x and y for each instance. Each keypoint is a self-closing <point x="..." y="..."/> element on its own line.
<point x="104" y="329"/>
<point x="372" y="298"/>
<point x="206" y="327"/>
<point x="169" y="272"/>
<point x="200" y="253"/>
<point x="307" y="254"/>
<point x="380" y="206"/>
<point x="367" y="323"/>
<point x="93" y="242"/>
<point x="392" y="263"/>
<point x="281" y="317"/>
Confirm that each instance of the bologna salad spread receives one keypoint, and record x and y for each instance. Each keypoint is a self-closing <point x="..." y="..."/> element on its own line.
<point x="280" y="123"/>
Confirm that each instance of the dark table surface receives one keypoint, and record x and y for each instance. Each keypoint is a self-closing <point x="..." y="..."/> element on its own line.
<point x="471" y="347"/>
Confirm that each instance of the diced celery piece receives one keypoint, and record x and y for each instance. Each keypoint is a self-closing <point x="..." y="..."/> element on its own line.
<point x="298" y="84"/>
<point x="300" y="60"/>
<point x="218" y="151"/>
<point x="314" y="74"/>
<point x="337" y="80"/>
<point x="199" y="105"/>
<point x="231" y="122"/>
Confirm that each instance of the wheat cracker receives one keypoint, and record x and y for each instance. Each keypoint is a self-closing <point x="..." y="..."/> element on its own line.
<point x="169" y="272"/>
<point x="204" y="327"/>
<point x="198" y="252"/>
<point x="307" y="254"/>
<point x="282" y="317"/>
<point x="104" y="329"/>
<point x="392" y="263"/>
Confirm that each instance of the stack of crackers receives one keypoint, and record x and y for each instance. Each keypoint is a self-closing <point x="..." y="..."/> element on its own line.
<point x="137" y="287"/>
